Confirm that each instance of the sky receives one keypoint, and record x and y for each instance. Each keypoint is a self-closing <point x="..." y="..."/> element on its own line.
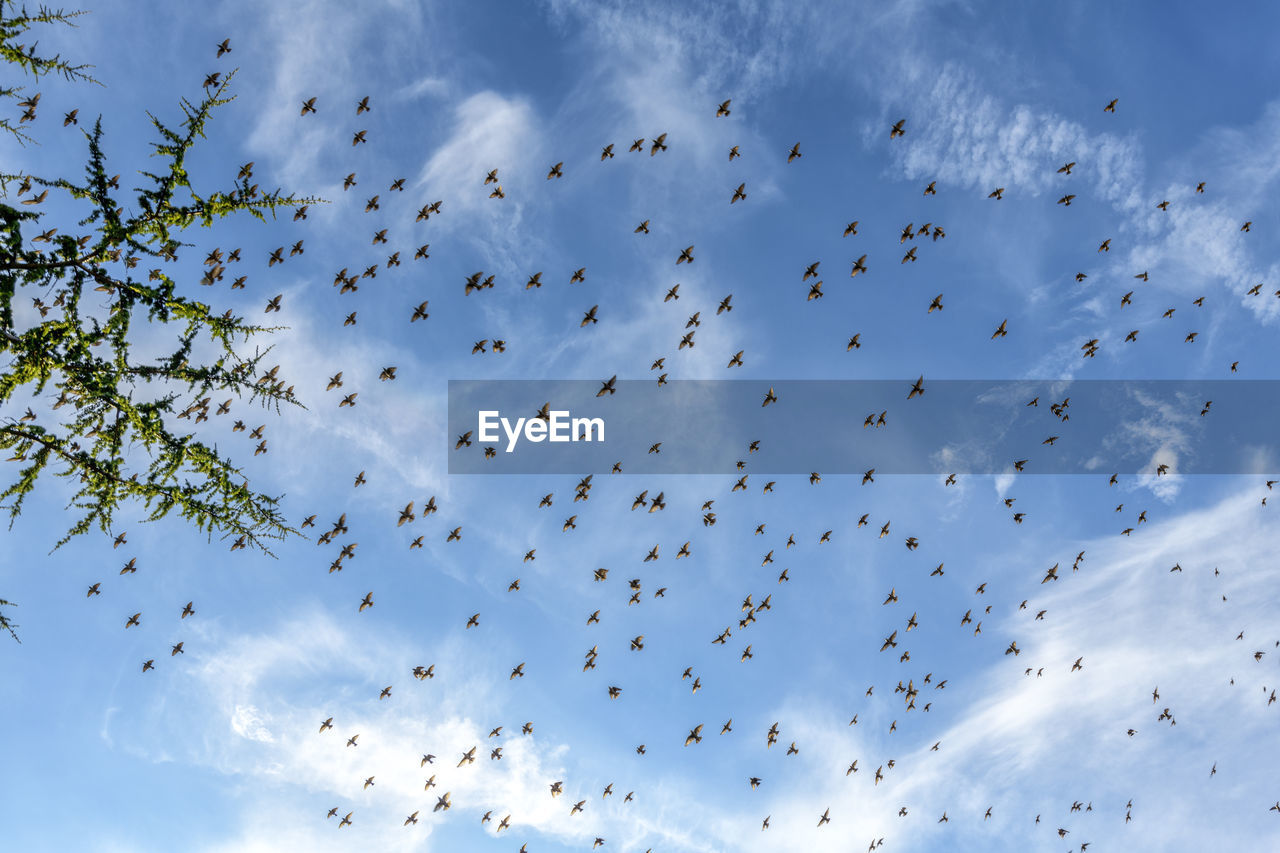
<point x="220" y="748"/>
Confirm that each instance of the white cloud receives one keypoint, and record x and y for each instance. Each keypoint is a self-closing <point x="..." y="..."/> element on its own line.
<point x="432" y="86"/>
<point x="247" y="722"/>
<point x="965" y="137"/>
<point x="1003" y="482"/>
<point x="248" y="682"/>
<point x="1136" y="626"/>
<point x="1163" y="431"/>
<point x="490" y="131"/>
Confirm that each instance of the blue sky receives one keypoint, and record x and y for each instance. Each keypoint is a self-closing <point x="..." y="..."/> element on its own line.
<point x="218" y="749"/>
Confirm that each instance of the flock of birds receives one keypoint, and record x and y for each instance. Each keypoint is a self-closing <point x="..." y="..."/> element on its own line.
<point x="458" y="757"/>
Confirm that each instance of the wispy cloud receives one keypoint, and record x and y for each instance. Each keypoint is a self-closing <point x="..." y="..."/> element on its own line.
<point x="968" y="138"/>
<point x="1136" y="627"/>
